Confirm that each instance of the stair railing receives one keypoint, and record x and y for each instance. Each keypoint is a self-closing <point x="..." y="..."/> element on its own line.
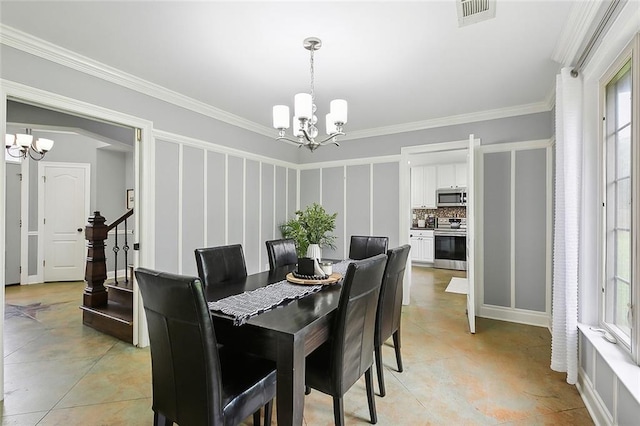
<point x="96" y="232"/>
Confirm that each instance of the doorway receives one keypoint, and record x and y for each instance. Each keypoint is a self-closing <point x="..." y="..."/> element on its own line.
<point x="423" y="153"/>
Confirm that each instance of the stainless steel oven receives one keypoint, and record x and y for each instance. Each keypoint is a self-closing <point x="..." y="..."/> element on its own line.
<point x="450" y="245"/>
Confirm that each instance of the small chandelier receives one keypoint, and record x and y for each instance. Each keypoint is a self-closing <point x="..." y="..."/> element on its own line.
<point x="21" y="144"/>
<point x="304" y="119"/>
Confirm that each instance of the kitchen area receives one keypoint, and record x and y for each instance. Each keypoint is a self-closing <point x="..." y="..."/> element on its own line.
<point x="438" y="229"/>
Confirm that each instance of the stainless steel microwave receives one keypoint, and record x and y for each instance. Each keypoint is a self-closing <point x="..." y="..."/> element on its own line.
<point x="451" y="197"/>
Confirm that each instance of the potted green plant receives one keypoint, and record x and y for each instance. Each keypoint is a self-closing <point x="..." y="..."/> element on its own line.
<point x="310" y="228"/>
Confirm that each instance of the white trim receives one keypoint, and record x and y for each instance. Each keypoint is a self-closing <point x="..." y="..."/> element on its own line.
<point x="226" y="199"/>
<point x="180" y="206"/>
<point x="597" y="410"/>
<point x="575" y="31"/>
<point x="500" y="312"/>
<point x="244" y="202"/>
<point x="474" y="117"/>
<point x="320" y="184"/>
<point x="521" y="316"/>
<point x="260" y="215"/>
<point x="517" y="146"/>
<point x="349" y="162"/>
<point x="210" y="146"/>
<point x="24" y="217"/>
<point x="275" y="200"/>
<point x="41" y="48"/>
<point x="371" y="199"/>
<point x="512" y="228"/>
<point x="345" y="242"/>
<point x="205" y="199"/>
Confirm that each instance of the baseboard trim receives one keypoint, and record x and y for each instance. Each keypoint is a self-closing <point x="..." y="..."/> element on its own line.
<point x="521" y="316"/>
<point x="596" y="409"/>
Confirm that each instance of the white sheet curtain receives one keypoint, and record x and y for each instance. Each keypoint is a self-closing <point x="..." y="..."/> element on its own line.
<point x="568" y="188"/>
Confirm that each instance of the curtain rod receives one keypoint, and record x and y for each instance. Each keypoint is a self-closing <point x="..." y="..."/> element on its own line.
<point x="602" y="25"/>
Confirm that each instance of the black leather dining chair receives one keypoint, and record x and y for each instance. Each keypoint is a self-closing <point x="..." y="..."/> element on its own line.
<point x="219" y="264"/>
<point x="390" y="308"/>
<point x="363" y="246"/>
<point x="337" y="364"/>
<point x="281" y="253"/>
<point x="186" y="363"/>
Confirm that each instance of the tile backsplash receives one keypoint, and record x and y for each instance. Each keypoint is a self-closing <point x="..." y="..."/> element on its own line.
<point x="440" y="212"/>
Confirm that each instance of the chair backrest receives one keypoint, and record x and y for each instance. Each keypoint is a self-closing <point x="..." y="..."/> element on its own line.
<point x="219" y="264"/>
<point x="185" y="366"/>
<point x="352" y="335"/>
<point x="281" y="253"/>
<point x="390" y="300"/>
<point x="363" y="246"/>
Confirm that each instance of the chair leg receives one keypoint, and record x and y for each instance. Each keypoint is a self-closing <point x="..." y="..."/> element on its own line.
<point x="338" y="411"/>
<point x="268" y="413"/>
<point x="370" y="397"/>
<point x="396" y="345"/>
<point x="161" y="420"/>
<point x="307" y="390"/>
<point x="256" y="418"/>
<point x="379" y="370"/>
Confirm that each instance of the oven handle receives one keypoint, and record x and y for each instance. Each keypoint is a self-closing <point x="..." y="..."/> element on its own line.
<point x="448" y="234"/>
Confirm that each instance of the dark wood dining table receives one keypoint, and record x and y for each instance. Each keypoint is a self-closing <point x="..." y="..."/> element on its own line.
<point x="286" y="334"/>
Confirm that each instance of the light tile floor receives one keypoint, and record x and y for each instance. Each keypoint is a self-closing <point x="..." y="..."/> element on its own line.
<point x="59" y="372"/>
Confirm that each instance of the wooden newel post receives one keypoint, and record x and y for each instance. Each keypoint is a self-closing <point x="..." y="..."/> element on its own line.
<point x="95" y="294"/>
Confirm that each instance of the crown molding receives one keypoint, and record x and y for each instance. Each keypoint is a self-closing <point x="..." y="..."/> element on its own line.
<point x="41" y="48"/>
<point x="452" y="120"/>
<point x="575" y="31"/>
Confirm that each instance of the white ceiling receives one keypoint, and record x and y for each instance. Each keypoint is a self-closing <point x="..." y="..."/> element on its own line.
<point x="395" y="62"/>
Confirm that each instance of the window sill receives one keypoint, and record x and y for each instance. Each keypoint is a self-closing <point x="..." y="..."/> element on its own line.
<point x="618" y="359"/>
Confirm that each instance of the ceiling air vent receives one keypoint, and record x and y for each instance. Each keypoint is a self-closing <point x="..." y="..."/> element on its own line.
<point x="472" y="11"/>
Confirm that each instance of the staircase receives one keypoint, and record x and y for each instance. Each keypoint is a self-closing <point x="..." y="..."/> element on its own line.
<point x="107" y="304"/>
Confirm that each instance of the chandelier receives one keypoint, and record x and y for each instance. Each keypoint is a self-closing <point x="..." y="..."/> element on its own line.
<point x="21" y="144"/>
<point x="304" y="119"/>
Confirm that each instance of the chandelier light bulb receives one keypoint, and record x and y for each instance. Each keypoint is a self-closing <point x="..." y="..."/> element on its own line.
<point x="281" y="117"/>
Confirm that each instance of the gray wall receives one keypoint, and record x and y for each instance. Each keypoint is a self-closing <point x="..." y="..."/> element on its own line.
<point x="223" y="199"/>
<point x="365" y="196"/>
<point x="515" y="179"/>
<point x="511" y="129"/>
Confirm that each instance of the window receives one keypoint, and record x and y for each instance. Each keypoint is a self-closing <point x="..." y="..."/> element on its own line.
<point x="618" y="154"/>
<point x="621" y="199"/>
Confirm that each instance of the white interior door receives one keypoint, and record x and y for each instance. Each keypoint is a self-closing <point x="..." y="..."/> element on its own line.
<point x="471" y="293"/>
<point x="66" y="210"/>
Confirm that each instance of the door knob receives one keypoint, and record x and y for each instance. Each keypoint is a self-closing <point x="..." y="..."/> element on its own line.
<point x="79" y="229"/>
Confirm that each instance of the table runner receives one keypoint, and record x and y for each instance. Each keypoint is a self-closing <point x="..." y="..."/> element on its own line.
<point x="243" y="306"/>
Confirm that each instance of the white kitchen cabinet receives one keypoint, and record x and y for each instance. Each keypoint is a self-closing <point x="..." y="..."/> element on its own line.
<point x="423" y="187"/>
<point x="461" y="175"/>
<point x="417" y="187"/>
<point x="446" y="176"/>
<point x="430" y="186"/>
<point x="452" y="175"/>
<point x="422" y="248"/>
